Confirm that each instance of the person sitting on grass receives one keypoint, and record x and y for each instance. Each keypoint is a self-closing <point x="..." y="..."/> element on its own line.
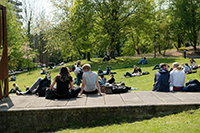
<point x="90" y="81"/>
<point x="142" y="61"/>
<point x="106" y="58"/>
<point x="111" y="80"/>
<point x="161" y="80"/>
<point x="177" y="77"/>
<point x="64" y="88"/>
<point x="14" y="89"/>
<point x="193" y="64"/>
<point x="136" y="72"/>
<point x="13" y="78"/>
<point x="107" y="71"/>
<point x="102" y="80"/>
<point x="186" y="68"/>
<point x="43" y="71"/>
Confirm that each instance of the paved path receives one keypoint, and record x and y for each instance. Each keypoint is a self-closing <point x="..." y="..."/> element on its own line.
<point x="32" y="102"/>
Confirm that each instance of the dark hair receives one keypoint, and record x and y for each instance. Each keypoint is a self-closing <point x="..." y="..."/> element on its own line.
<point x="192" y="60"/>
<point x="101" y="75"/>
<point x="64" y="74"/>
<point x="163" y="64"/>
<point x="78" y="62"/>
<point x="145" y="58"/>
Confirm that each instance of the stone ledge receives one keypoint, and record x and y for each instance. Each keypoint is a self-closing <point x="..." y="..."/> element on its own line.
<point x="40" y="118"/>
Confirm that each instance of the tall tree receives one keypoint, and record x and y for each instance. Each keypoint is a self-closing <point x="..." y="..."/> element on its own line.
<point x="186" y="18"/>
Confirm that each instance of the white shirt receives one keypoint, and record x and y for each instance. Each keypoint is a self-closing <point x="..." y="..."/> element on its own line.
<point x="90" y="80"/>
<point x="177" y="78"/>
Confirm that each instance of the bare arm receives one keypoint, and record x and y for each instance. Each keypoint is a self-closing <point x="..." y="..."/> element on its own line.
<point x="82" y="86"/>
<point x="97" y="84"/>
<point x="71" y="85"/>
<point x="53" y="83"/>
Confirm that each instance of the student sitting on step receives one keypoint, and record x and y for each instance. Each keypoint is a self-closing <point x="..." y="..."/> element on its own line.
<point x="90" y="81"/>
<point x="64" y="88"/>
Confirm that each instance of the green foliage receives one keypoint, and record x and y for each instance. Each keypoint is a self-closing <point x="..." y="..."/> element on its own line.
<point x="15" y="36"/>
<point x="186" y="17"/>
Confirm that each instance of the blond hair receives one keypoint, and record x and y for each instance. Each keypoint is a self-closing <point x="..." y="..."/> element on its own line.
<point x="177" y="66"/>
<point x="86" y="66"/>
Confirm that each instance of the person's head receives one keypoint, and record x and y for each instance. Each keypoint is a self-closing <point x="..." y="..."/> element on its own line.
<point x="14" y="84"/>
<point x="144" y="58"/>
<point x="107" y="67"/>
<point x="164" y="65"/>
<point x="176" y="66"/>
<point x="186" y="64"/>
<point x="86" y="67"/>
<point x="192" y="60"/>
<point x="78" y="63"/>
<point x="111" y="75"/>
<point x="102" y="76"/>
<point x="64" y="73"/>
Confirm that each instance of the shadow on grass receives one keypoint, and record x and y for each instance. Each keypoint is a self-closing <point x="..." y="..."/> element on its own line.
<point x="105" y="122"/>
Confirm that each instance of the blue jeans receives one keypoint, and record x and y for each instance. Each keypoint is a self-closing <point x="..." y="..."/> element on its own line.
<point x="156" y="67"/>
<point x="78" y="79"/>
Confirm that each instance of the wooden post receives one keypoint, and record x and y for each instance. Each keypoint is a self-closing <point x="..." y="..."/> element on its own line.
<point x="4" y="57"/>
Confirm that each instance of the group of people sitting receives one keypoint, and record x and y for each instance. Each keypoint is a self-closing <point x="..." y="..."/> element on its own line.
<point x="64" y="84"/>
<point x="164" y="78"/>
<point x="91" y="83"/>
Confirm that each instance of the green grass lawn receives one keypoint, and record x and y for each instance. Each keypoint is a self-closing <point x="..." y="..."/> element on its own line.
<point x="121" y="65"/>
<point x="188" y="121"/>
<point x="184" y="122"/>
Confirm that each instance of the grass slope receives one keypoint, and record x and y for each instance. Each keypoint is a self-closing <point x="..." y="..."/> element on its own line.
<point x="121" y="65"/>
<point x="184" y="122"/>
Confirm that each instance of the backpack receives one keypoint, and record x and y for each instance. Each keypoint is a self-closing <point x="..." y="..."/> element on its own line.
<point x="76" y="72"/>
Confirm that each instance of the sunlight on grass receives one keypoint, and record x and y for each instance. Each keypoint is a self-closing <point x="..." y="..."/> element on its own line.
<point x="121" y="65"/>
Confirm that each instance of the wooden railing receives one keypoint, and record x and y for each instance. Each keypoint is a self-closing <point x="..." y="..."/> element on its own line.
<point x="4" y="55"/>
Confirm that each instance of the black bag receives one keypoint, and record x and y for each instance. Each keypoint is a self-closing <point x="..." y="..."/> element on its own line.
<point x="49" y="94"/>
<point x="195" y="81"/>
<point x="119" y="89"/>
<point x="145" y="73"/>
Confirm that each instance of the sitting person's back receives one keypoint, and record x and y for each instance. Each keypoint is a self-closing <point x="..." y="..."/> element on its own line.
<point x="177" y="77"/>
<point x="161" y="80"/>
<point x="64" y="84"/>
<point x="90" y="81"/>
<point x="111" y="80"/>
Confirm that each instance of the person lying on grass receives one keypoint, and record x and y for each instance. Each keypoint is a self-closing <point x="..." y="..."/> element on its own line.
<point x="136" y="72"/>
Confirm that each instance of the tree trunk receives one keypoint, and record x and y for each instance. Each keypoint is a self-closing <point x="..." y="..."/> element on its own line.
<point x="159" y="49"/>
<point x="112" y="54"/>
<point x="179" y="41"/>
<point x="88" y="56"/>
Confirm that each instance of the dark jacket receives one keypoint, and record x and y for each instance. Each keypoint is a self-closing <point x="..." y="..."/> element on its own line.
<point x="161" y="80"/>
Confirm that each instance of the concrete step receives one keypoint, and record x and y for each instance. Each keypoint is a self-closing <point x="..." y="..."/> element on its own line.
<point x="30" y="112"/>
